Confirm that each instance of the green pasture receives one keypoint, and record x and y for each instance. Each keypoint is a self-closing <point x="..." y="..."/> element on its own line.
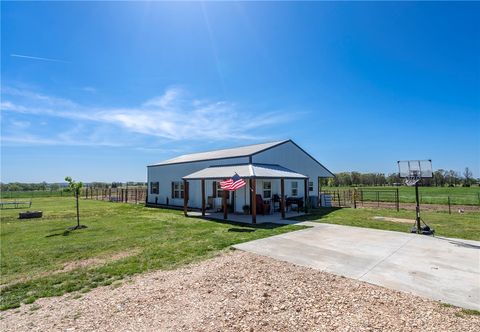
<point x="428" y="195"/>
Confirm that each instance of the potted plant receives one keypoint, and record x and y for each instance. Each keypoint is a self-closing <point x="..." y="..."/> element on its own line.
<point x="246" y="209"/>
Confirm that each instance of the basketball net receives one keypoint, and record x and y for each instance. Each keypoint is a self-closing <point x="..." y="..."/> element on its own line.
<point x="413" y="178"/>
<point x="411" y="181"/>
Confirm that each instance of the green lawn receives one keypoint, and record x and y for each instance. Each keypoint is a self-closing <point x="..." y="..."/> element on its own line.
<point x="34" y="251"/>
<point x="428" y="195"/>
<point x="464" y="226"/>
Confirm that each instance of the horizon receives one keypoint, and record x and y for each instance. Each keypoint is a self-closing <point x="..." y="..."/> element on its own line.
<point x="100" y="90"/>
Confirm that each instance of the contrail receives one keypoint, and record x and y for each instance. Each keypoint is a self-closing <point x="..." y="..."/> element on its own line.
<point x="37" y="58"/>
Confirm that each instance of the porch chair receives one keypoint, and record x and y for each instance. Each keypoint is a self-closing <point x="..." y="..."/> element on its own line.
<point x="210" y="202"/>
<point x="276" y="203"/>
<point x="262" y="208"/>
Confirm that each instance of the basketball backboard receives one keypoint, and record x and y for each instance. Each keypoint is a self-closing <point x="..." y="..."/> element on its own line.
<point x="415" y="169"/>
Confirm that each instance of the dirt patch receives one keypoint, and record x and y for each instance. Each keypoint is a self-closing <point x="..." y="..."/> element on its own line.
<point x="398" y="220"/>
<point x="82" y="263"/>
<point x="72" y="265"/>
<point x="238" y="291"/>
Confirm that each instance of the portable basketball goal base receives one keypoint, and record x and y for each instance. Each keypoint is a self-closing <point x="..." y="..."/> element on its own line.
<point x="413" y="171"/>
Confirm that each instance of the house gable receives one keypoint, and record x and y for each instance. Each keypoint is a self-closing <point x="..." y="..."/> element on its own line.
<point x="290" y="155"/>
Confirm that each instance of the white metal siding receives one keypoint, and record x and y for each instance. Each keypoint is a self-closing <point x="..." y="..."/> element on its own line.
<point x="290" y="156"/>
<point x="166" y="174"/>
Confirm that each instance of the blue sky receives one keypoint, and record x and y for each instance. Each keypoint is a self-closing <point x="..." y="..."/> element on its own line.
<point x="98" y="90"/>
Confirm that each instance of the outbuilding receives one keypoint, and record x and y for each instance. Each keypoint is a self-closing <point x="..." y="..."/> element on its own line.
<point x="279" y="175"/>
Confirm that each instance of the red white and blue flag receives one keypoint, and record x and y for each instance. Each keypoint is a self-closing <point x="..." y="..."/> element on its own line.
<point x="234" y="183"/>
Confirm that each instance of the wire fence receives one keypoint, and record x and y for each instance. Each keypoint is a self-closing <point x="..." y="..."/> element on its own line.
<point x="137" y="195"/>
<point x="122" y="195"/>
<point x="394" y="199"/>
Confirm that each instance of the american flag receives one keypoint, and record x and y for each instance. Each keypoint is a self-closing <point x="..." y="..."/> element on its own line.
<point x="234" y="183"/>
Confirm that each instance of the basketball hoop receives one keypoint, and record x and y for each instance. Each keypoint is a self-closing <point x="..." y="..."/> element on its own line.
<point x="413" y="171"/>
<point x="413" y="178"/>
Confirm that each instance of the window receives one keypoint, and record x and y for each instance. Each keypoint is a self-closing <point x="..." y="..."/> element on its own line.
<point x="267" y="189"/>
<point x="310" y="185"/>
<point x="154" y="187"/>
<point x="294" y="188"/>
<point x="177" y="189"/>
<point x="217" y="190"/>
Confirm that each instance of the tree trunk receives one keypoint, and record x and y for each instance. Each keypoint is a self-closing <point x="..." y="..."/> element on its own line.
<point x="78" y="211"/>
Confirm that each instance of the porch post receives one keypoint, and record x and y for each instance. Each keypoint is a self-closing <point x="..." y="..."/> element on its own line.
<point x="224" y="204"/>
<point x="253" y="194"/>
<point x="282" y="197"/>
<point x="203" y="197"/>
<point x="185" y="197"/>
<point x="305" y="204"/>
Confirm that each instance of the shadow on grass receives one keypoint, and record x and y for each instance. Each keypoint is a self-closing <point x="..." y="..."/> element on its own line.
<point x="64" y="233"/>
<point x="241" y="230"/>
<point x="315" y="214"/>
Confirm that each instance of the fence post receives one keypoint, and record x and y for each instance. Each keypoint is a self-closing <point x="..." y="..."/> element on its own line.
<point x="398" y="201"/>
<point x="354" y="198"/>
<point x="449" y="208"/>
<point x="378" y="199"/>
<point x="339" y="201"/>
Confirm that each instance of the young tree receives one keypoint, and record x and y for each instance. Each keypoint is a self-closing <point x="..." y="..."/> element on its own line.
<point x="75" y="187"/>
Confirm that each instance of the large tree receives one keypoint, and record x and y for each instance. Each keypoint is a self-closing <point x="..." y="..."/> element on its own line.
<point x="468" y="175"/>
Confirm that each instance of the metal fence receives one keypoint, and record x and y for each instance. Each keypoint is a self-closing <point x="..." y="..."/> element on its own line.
<point x="122" y="195"/>
<point x="392" y="199"/>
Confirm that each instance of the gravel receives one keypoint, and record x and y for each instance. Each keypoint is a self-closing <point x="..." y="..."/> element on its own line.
<point x="238" y="291"/>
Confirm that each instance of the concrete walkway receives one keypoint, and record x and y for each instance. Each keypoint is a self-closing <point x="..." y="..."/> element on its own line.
<point x="437" y="268"/>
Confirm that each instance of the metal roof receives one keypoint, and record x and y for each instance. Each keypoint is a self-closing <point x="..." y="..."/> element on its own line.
<point x="245" y="171"/>
<point x="243" y="151"/>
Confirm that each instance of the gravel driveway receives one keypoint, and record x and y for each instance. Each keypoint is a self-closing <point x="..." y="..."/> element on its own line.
<point x="239" y="291"/>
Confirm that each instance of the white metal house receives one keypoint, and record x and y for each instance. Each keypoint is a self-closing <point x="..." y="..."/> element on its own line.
<point x="267" y="168"/>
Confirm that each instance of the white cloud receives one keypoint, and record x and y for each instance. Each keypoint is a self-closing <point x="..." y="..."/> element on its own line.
<point x="89" y="89"/>
<point x="165" y="100"/>
<point x="20" y="124"/>
<point x="172" y="116"/>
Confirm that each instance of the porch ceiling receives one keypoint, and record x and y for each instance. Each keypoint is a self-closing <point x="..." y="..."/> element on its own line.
<point x="245" y="171"/>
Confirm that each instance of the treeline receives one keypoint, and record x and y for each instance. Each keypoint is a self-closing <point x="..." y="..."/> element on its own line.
<point x="44" y="186"/>
<point x="441" y="178"/>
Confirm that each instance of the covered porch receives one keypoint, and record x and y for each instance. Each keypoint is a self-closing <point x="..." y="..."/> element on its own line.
<point x="271" y="204"/>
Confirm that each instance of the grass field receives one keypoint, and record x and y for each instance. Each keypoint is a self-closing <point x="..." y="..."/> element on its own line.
<point x="464" y="226"/>
<point x="39" y="258"/>
<point x="7" y="195"/>
<point x="428" y="195"/>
